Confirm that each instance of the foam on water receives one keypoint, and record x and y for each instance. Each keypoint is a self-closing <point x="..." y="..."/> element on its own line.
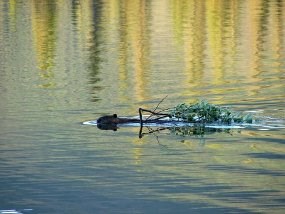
<point x="13" y="211"/>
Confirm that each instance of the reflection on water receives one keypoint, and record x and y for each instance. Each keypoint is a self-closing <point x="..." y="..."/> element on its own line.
<point x="64" y="62"/>
<point x="44" y="23"/>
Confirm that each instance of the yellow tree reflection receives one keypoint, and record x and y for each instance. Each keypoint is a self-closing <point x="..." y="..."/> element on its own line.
<point x="44" y="20"/>
<point x="135" y="32"/>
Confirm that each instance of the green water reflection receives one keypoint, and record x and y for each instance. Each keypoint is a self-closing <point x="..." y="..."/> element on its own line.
<point x="64" y="62"/>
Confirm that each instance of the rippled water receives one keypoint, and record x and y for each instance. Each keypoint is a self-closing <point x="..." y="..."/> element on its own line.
<point x="66" y="62"/>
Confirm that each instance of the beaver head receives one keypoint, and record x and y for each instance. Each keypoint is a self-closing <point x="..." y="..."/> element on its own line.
<point x="108" y="122"/>
<point x="108" y="119"/>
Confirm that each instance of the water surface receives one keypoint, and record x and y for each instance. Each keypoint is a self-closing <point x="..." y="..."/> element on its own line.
<point x="66" y="62"/>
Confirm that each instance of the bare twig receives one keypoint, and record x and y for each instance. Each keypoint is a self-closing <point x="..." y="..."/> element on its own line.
<point x="141" y="120"/>
<point x="160" y="102"/>
<point x="153" y="112"/>
<point x="159" y="116"/>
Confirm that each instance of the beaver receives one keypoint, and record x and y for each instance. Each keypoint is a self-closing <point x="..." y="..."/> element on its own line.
<point x="110" y="122"/>
<point x="114" y="119"/>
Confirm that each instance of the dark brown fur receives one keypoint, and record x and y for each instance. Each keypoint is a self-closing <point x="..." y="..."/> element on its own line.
<point x="114" y="119"/>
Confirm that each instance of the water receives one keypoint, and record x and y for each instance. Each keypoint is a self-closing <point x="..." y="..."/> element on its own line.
<point x="66" y="62"/>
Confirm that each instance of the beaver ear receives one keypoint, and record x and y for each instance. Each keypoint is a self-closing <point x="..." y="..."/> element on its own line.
<point x="115" y="115"/>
